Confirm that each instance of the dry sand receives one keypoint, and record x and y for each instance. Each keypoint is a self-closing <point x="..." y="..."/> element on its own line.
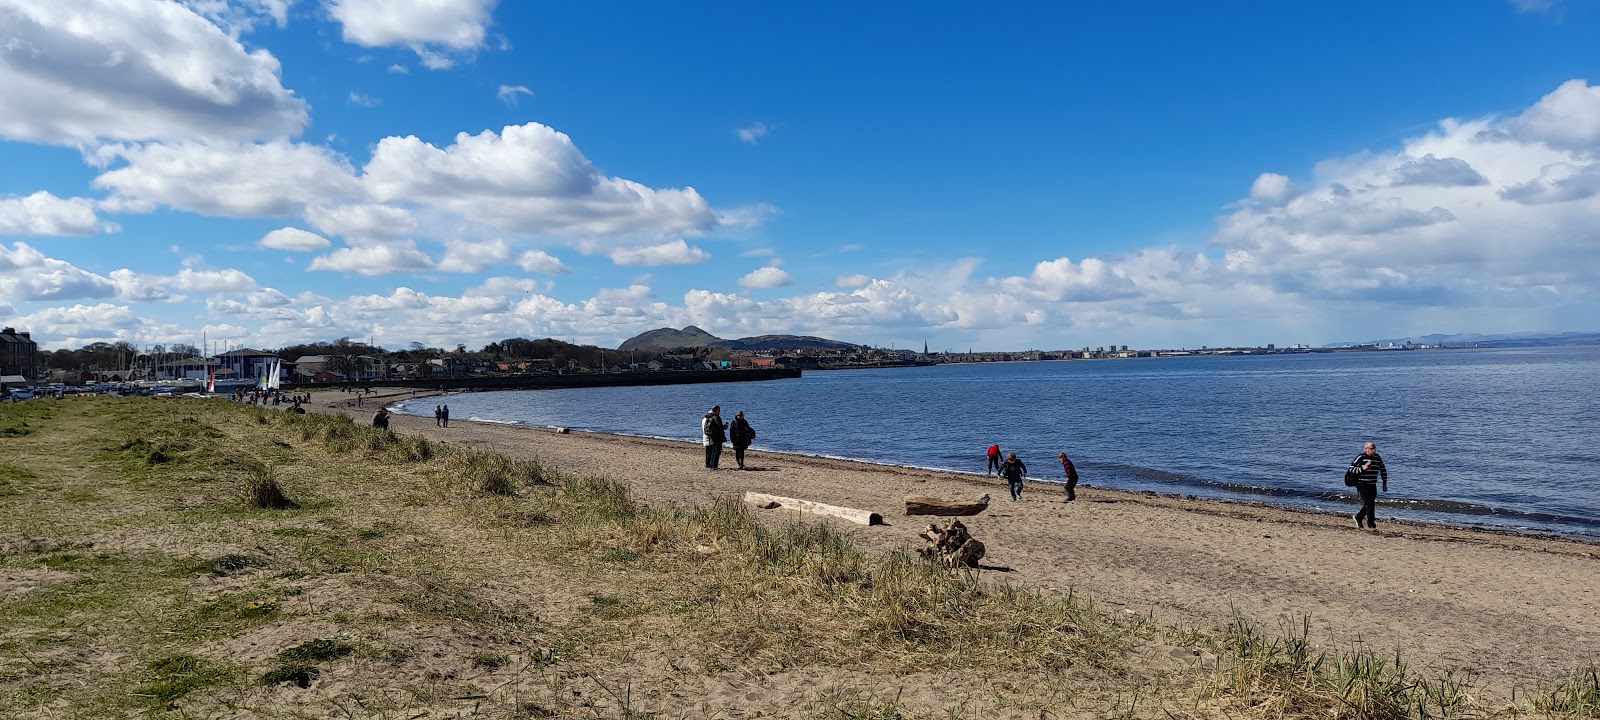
<point x="1516" y="610"/>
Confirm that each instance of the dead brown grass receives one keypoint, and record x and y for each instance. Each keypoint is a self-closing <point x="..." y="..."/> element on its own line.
<point x="430" y="581"/>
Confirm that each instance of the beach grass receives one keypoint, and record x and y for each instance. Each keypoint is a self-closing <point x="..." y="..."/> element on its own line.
<point x="155" y="564"/>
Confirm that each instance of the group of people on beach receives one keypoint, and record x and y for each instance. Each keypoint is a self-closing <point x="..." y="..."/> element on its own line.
<point x="714" y="432"/>
<point x="441" y="415"/>
<point x="1014" y="470"/>
<point x="1366" y="471"/>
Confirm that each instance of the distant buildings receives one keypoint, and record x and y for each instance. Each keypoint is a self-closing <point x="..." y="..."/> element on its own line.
<point x="19" y="355"/>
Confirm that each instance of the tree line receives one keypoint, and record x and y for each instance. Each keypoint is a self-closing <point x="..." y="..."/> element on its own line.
<point x="344" y="354"/>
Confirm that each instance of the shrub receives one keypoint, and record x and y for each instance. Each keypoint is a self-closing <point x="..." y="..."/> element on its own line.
<point x="264" y="492"/>
<point x="494" y="473"/>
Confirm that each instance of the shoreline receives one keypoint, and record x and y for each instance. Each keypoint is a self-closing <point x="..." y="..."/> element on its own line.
<point x="1514" y="608"/>
<point x="1203" y="496"/>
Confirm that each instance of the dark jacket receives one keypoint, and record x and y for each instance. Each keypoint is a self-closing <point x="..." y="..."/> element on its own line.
<point x="1013" y="469"/>
<point x="1374" y="468"/>
<point x="741" y="433"/>
<point x="714" y="429"/>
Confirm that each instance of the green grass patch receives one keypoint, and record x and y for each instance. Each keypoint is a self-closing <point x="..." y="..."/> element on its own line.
<point x="170" y="678"/>
<point x="319" y="650"/>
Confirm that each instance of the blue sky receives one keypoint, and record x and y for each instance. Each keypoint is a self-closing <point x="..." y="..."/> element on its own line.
<point x="266" y="172"/>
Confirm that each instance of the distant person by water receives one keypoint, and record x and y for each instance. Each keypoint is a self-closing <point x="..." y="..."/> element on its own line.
<point x="1014" y="470"/>
<point x="994" y="460"/>
<point x="712" y="432"/>
<point x="1072" y="475"/>
<point x="1371" y="465"/>
<point x="438" y="416"/>
<point x="742" y="435"/>
<point x="380" y="419"/>
<point x="444" y="415"/>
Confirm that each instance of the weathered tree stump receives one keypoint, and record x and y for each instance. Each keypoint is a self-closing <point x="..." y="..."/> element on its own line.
<point x="953" y="545"/>
<point x="923" y="505"/>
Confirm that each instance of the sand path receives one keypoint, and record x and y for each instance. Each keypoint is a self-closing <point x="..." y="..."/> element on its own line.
<point x="1517" y="610"/>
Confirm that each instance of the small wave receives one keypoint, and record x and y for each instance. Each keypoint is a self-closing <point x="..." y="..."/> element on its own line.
<point x="493" y="421"/>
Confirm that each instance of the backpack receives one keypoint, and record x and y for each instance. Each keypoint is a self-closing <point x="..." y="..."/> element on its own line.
<point x="1352" y="475"/>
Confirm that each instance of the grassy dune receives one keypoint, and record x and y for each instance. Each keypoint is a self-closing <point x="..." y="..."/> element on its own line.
<point x="201" y="559"/>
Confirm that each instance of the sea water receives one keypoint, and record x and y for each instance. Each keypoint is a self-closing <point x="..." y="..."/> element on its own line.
<point x="1504" y="438"/>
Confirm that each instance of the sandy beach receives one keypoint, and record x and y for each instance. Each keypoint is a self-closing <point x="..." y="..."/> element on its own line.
<point x="1516" y="610"/>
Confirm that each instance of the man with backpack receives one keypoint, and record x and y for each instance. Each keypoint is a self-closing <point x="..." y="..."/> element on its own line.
<point x="1370" y="465"/>
<point x="713" y="433"/>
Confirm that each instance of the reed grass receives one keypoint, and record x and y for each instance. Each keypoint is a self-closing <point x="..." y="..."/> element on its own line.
<point x="1578" y="696"/>
<point x="262" y="491"/>
<point x="1287" y="675"/>
<point x="712" y="591"/>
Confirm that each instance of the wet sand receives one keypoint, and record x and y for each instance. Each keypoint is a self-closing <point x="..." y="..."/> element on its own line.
<point x="1516" y="610"/>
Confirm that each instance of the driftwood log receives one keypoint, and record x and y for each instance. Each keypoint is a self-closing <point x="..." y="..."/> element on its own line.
<point x="769" y="502"/>
<point x="924" y="505"/>
<point x="953" y="545"/>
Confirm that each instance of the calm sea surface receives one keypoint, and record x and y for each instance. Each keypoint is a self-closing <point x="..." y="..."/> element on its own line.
<point x="1497" y="438"/>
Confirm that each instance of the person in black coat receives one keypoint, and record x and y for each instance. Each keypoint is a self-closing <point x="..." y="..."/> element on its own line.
<point x="742" y="435"/>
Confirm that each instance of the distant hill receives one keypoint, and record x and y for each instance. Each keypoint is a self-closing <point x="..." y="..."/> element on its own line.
<point x="1522" y="339"/>
<point x="693" y="337"/>
<point x="784" y="342"/>
<point x="667" y="339"/>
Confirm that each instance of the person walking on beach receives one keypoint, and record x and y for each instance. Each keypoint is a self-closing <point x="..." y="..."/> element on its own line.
<point x="1371" y="466"/>
<point x="444" y="415"/>
<point x="380" y="419"/>
<point x="741" y="434"/>
<point x="712" y="431"/>
<point x="438" y="416"/>
<point x="994" y="460"/>
<point x="1072" y="475"/>
<point x="1013" y="470"/>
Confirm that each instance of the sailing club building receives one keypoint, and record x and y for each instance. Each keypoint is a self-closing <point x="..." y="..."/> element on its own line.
<point x="246" y="362"/>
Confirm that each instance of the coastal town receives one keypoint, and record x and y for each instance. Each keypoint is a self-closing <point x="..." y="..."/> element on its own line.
<point x="23" y="365"/>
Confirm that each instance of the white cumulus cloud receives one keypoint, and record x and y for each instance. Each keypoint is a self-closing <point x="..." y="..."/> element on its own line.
<point x="78" y="324"/>
<point x="528" y="178"/>
<point x="374" y="259"/>
<point x="240" y="180"/>
<point x="29" y="275"/>
<point x="674" y="252"/>
<point x="43" y="213"/>
<point x="1272" y="188"/>
<point x="77" y="72"/>
<point x="438" y="31"/>
<point x="363" y="221"/>
<point x="766" y="277"/>
<point x="470" y="257"/>
<point x="540" y="261"/>
<point x="1568" y="118"/>
<point x="292" y="238"/>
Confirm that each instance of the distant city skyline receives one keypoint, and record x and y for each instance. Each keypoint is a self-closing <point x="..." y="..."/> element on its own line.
<point x="273" y="172"/>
